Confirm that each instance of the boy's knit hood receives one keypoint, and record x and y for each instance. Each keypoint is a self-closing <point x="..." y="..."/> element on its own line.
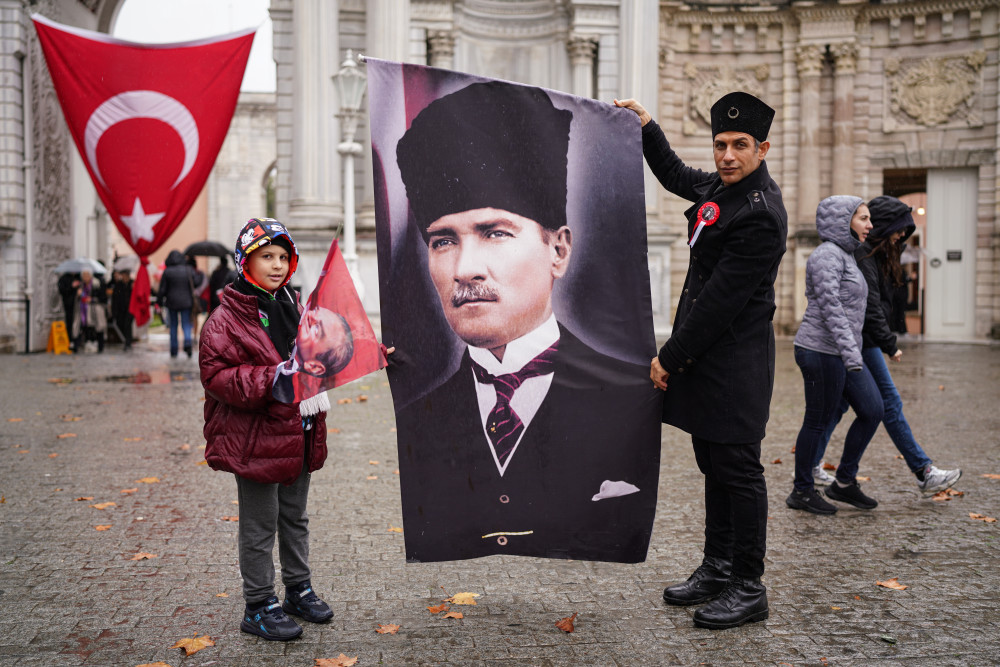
<point x="259" y="232"/>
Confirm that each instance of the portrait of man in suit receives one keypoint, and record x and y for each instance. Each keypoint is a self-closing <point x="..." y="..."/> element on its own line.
<point x="537" y="444"/>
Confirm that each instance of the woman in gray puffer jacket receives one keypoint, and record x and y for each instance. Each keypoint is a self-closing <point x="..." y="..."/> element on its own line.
<point x="828" y="352"/>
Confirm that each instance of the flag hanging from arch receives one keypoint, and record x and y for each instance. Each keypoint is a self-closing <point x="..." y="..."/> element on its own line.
<point x="148" y="120"/>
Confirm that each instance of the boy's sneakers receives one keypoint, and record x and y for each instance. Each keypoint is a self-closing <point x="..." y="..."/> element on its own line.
<point x="821" y="477"/>
<point x="851" y="494"/>
<point x="936" y="479"/>
<point x="810" y="501"/>
<point x="301" y="601"/>
<point x="270" y="622"/>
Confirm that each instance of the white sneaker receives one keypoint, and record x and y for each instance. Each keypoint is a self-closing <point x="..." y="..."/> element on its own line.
<point x="821" y="477"/>
<point x="936" y="479"/>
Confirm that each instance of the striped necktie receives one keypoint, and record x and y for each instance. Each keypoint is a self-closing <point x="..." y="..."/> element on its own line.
<point x="503" y="425"/>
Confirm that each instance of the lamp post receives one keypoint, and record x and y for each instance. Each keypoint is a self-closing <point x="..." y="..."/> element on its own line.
<point x="350" y="83"/>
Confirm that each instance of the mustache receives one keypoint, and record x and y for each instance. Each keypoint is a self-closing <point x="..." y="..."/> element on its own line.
<point x="472" y="292"/>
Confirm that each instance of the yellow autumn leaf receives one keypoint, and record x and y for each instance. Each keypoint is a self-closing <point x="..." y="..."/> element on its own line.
<point x="893" y="584"/>
<point x="463" y="598"/>
<point x="103" y="506"/>
<point x="194" y="644"/>
<point x="142" y="555"/>
<point x="148" y="480"/>
<point x="104" y="527"/>
<point x="454" y="614"/>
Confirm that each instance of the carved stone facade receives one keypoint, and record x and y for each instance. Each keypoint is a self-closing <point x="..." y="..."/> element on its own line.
<point x="870" y="98"/>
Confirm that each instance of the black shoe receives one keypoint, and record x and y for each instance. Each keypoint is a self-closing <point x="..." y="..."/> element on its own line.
<point x="851" y="495"/>
<point x="187" y="351"/>
<point x="743" y="601"/>
<point x="704" y="584"/>
<point x="809" y="501"/>
<point x="305" y="604"/>
<point x="270" y="622"/>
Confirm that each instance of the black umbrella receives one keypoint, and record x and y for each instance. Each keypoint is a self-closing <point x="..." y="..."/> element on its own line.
<point x="210" y="248"/>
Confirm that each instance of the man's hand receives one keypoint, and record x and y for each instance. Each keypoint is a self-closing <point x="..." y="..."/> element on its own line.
<point x="640" y="111"/>
<point x="898" y="356"/>
<point x="657" y="374"/>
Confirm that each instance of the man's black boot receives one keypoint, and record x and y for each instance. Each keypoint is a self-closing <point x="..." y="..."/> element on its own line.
<point x="743" y="601"/>
<point x="704" y="583"/>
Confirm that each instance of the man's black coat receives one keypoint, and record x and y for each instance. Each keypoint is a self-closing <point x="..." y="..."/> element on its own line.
<point x="720" y="354"/>
<point x="598" y="422"/>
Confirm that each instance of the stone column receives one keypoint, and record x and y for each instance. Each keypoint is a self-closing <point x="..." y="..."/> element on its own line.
<point x="582" y="54"/>
<point x="316" y="181"/>
<point x="845" y="56"/>
<point x="809" y="58"/>
<point x="441" y="49"/>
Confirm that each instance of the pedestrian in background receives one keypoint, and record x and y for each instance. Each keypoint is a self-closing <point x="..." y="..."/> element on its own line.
<point x="90" y="317"/>
<point x="878" y="257"/>
<point x="828" y="352"/>
<point x="271" y="447"/>
<point x="221" y="276"/>
<point x="176" y="295"/>
<point x="121" y="298"/>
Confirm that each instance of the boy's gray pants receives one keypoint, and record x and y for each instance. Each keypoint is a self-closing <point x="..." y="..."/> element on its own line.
<point x="266" y="509"/>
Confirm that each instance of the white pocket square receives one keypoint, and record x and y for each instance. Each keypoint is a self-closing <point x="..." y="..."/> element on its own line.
<point x="611" y="489"/>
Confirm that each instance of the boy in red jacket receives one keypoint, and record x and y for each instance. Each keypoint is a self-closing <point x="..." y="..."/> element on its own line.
<point x="269" y="446"/>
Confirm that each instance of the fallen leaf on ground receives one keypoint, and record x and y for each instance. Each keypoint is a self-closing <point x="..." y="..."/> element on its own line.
<point x="153" y="664"/>
<point x="103" y="506"/>
<point x="340" y="661"/>
<point x="566" y="624"/>
<point x="104" y="527"/>
<point x="395" y="472"/>
<point x="940" y="387"/>
<point x="835" y="608"/>
<point x="362" y="398"/>
<point x="893" y="584"/>
<point x="392" y="429"/>
<point x="230" y="518"/>
<point x="222" y="595"/>
<point x="373" y="463"/>
<point x="333" y="430"/>
<point x="793" y="449"/>
<point x="3" y="499"/>
<point x="453" y="614"/>
<point x="194" y="644"/>
<point x="437" y="609"/>
<point x="131" y="439"/>
<point x="202" y="463"/>
<point x="70" y="418"/>
<point x="861" y="478"/>
<point x="982" y="517"/>
<point x="148" y="480"/>
<point x="857" y="597"/>
<point x="132" y="490"/>
<point x="990" y="475"/>
<point x="395" y="529"/>
<point x="899" y="456"/>
<point x="185" y="447"/>
<point x="947" y="494"/>
<point x="53" y="455"/>
<point x="463" y="598"/>
<point x="142" y="555"/>
<point x="372" y="477"/>
<point x="829" y="466"/>
<point x="16" y="419"/>
<point x="776" y="461"/>
<point x="84" y="498"/>
<point x="344" y="401"/>
<point x="387" y="629"/>
<point x="23" y="451"/>
<point x="61" y="436"/>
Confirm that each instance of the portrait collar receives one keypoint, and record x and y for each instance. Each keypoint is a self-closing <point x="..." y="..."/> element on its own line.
<point x="520" y="350"/>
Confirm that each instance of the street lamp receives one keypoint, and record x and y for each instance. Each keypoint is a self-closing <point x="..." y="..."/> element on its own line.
<point x="350" y="83"/>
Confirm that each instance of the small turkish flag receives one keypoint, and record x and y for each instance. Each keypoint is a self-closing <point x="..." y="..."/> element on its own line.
<point x="148" y="120"/>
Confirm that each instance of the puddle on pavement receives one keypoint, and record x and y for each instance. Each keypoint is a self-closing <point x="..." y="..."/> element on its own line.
<point x="159" y="376"/>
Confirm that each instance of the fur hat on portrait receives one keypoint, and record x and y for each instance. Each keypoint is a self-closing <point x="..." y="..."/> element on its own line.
<point x="742" y="112"/>
<point x="890" y="215"/>
<point x="489" y="145"/>
<point x="259" y="232"/>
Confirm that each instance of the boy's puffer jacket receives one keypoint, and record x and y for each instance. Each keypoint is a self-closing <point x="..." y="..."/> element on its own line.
<point x="248" y="432"/>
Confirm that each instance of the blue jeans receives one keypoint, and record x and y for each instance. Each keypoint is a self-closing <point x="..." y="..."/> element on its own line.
<point x="185" y="321"/>
<point x="895" y="422"/>
<point x="827" y="382"/>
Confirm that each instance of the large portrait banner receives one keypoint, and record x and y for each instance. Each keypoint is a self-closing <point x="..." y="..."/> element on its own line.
<point x="514" y="285"/>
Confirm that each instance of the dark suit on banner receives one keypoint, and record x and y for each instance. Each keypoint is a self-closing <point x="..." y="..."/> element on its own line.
<point x="457" y="505"/>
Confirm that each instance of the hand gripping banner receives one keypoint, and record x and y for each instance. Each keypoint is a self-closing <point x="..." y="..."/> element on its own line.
<point x="335" y="342"/>
<point x="148" y="120"/>
<point x="515" y="288"/>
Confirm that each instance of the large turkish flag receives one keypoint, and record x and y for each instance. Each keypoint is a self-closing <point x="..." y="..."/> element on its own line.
<point x="148" y="120"/>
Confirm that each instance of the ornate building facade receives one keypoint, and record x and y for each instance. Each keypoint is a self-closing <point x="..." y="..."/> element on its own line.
<point x="896" y="97"/>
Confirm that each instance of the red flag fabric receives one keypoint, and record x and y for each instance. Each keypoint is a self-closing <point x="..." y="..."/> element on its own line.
<point x="335" y="342"/>
<point x="148" y="120"/>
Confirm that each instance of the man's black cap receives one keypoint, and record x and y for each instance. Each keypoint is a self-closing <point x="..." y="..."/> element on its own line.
<point x="488" y="145"/>
<point x="742" y="112"/>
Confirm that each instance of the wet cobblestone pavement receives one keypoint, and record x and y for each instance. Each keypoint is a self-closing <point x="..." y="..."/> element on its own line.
<point x="92" y="426"/>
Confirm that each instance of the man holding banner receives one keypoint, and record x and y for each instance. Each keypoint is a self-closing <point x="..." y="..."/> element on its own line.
<point x="537" y="443"/>
<point x="717" y="368"/>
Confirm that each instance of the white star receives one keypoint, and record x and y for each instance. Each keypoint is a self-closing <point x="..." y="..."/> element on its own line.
<point x="141" y="223"/>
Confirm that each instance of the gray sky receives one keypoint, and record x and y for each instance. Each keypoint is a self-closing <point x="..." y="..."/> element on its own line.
<point x="181" y="20"/>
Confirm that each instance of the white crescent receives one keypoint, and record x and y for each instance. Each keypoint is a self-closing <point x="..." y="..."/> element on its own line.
<point x="142" y="104"/>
